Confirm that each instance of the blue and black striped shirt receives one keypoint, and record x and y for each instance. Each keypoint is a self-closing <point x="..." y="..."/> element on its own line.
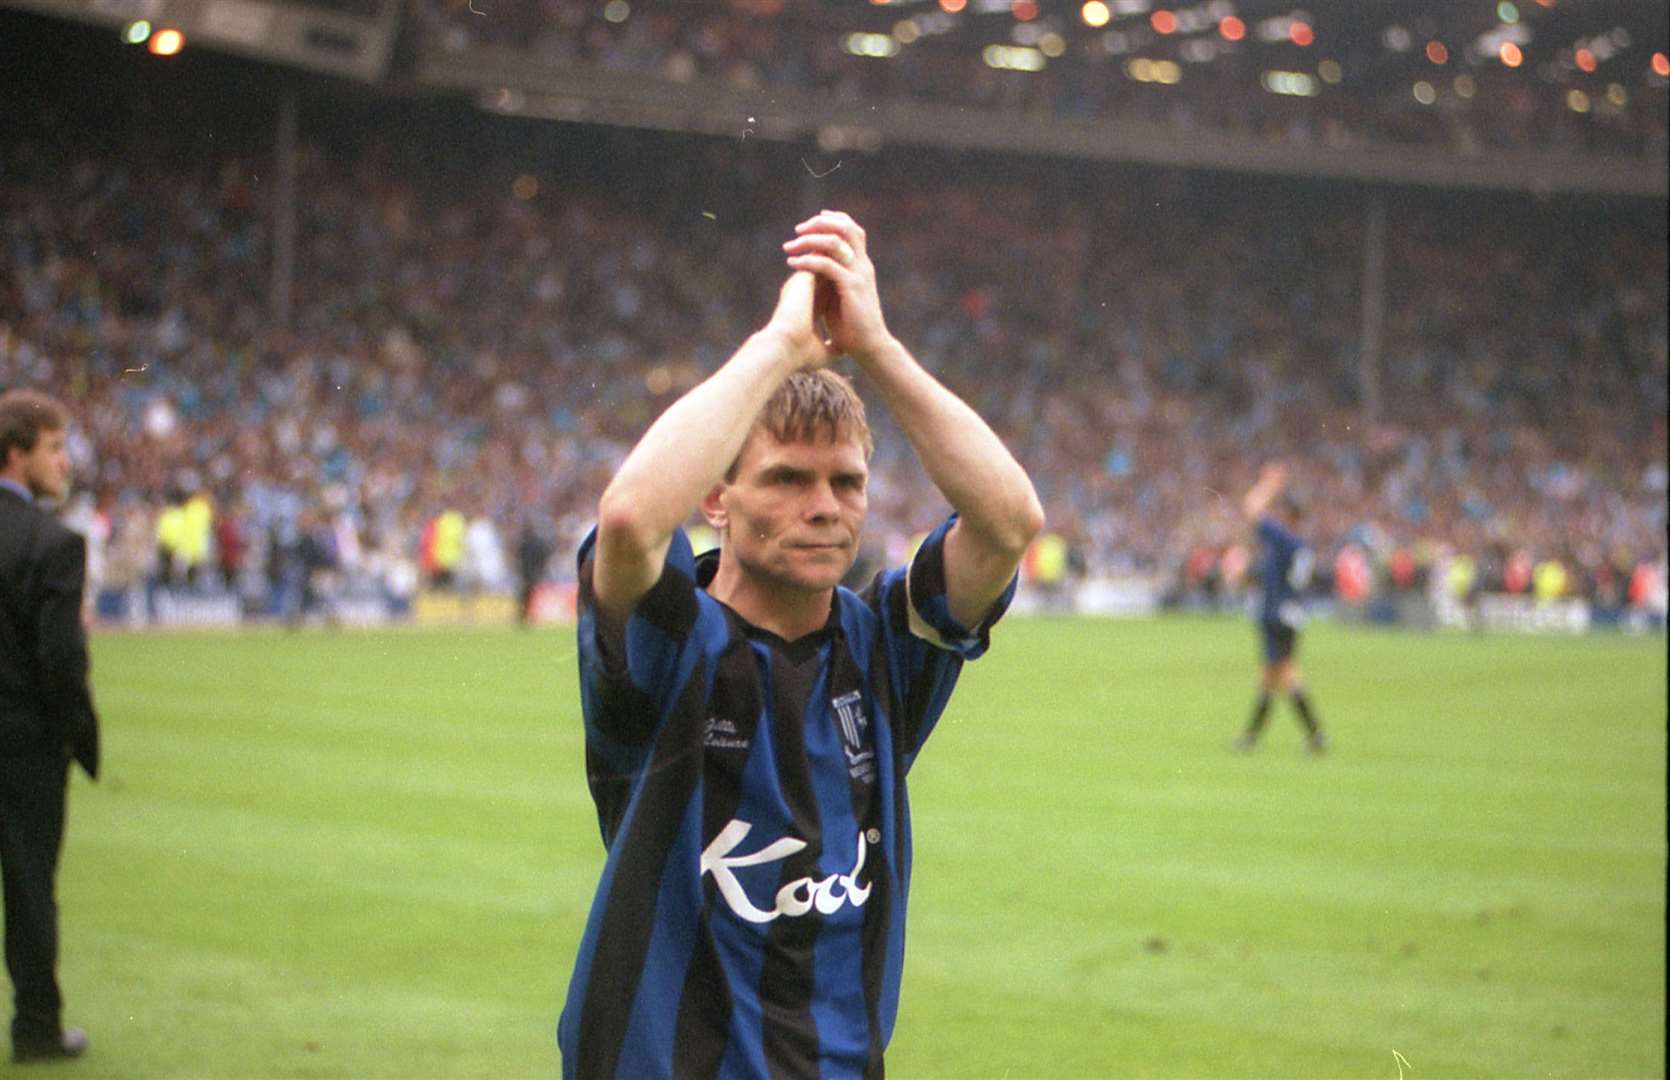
<point x="751" y="793"/>
<point x="1284" y="567"/>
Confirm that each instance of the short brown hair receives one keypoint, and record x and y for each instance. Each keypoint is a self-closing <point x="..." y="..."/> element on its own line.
<point x="24" y="414"/>
<point x="810" y="407"/>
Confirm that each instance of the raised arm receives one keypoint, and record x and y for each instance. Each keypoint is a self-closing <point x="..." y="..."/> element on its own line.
<point x="689" y="447"/>
<point x="998" y="513"/>
<point x="1258" y="498"/>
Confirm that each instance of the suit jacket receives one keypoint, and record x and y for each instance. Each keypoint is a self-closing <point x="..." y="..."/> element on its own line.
<point x="46" y="704"/>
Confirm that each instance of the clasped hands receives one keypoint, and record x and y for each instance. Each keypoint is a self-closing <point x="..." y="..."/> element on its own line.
<point x="829" y="307"/>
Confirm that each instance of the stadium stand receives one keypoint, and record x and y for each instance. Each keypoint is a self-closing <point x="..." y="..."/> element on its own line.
<point x="1054" y="63"/>
<point x="485" y="311"/>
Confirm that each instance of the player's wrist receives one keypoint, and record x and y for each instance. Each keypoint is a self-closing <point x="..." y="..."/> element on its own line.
<point x="783" y="348"/>
<point x="882" y="350"/>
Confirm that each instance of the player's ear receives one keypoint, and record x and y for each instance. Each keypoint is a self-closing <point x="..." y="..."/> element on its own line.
<point x="713" y="508"/>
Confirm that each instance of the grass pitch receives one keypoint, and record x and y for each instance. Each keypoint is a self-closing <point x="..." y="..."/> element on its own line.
<point x="371" y="854"/>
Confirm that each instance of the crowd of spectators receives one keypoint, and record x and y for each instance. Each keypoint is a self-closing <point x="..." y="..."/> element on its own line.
<point x="485" y="315"/>
<point x="1467" y="107"/>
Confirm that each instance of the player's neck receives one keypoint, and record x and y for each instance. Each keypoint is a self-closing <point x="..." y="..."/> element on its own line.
<point x="788" y="612"/>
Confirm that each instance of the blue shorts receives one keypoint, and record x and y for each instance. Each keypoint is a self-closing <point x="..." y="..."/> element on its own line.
<point x="1280" y="641"/>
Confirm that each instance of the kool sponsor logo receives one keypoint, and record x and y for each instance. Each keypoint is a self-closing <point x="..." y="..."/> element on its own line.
<point x="796" y="897"/>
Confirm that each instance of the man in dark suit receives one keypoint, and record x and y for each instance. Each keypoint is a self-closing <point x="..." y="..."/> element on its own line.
<point x="46" y="709"/>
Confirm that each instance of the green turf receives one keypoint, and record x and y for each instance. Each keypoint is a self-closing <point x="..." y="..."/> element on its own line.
<point x="370" y="855"/>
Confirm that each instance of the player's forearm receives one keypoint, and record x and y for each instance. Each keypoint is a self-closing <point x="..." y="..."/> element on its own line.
<point x="689" y="447"/>
<point x="1259" y="498"/>
<point x="966" y="460"/>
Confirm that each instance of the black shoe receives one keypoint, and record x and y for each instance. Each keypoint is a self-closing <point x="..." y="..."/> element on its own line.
<point x="1317" y="744"/>
<point x="1244" y="743"/>
<point x="71" y="1044"/>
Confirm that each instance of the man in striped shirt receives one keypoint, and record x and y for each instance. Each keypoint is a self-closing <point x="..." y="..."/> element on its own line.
<point x="749" y="722"/>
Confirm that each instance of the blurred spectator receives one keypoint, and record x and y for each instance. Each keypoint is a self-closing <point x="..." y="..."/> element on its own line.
<point x="534" y="547"/>
<point x="483" y="566"/>
<point x="229" y="546"/>
<point x="443" y="548"/>
<point x="171" y="540"/>
<point x="313" y="571"/>
<point x="195" y="529"/>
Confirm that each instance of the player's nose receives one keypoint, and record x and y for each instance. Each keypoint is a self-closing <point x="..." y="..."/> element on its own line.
<point x="821" y="502"/>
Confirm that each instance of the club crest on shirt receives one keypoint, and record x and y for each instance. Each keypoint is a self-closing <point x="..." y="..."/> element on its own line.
<point x="850" y="718"/>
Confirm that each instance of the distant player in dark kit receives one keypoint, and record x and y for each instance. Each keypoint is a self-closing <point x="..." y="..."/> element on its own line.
<point x="1285" y="564"/>
<point x="749" y="723"/>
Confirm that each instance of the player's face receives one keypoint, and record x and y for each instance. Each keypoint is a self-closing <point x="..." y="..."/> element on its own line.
<point x="795" y="510"/>
<point x="46" y="468"/>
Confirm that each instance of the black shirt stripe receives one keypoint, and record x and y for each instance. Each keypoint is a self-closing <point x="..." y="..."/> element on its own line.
<point x="704" y="1008"/>
<point x="788" y="976"/>
<point x="629" y="917"/>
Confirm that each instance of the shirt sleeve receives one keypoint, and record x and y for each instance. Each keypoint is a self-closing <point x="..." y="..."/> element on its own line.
<point x="926" y="647"/>
<point x="630" y="674"/>
<point x="930" y="609"/>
